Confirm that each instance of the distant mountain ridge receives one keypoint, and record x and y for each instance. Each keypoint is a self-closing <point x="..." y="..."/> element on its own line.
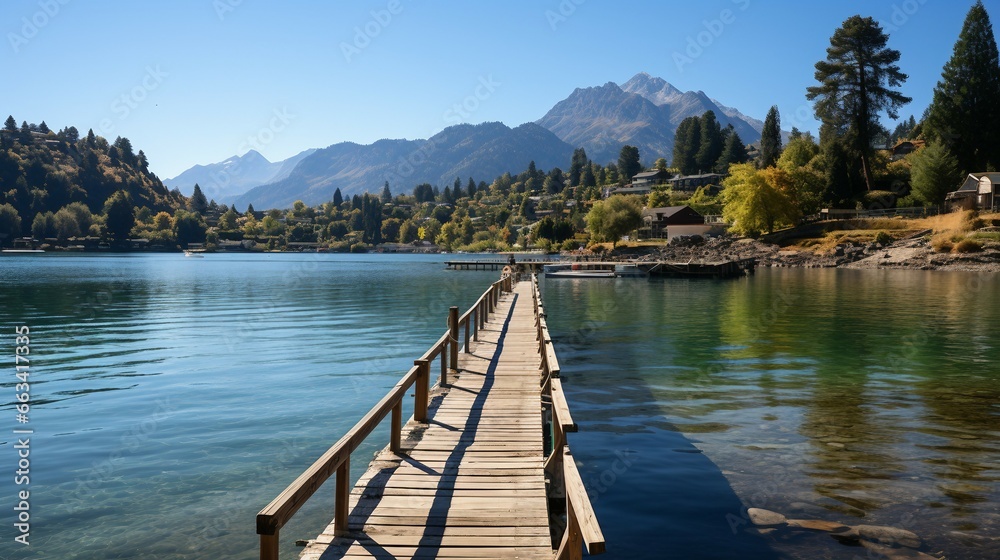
<point x="232" y="177"/>
<point x="643" y="112"/>
<point x="483" y="151"/>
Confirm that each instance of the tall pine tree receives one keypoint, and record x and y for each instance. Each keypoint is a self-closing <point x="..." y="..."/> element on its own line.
<point x="855" y="86"/>
<point x="687" y="142"/>
<point x="628" y="162"/>
<point x="770" y="139"/>
<point x="711" y="144"/>
<point x="965" y="112"/>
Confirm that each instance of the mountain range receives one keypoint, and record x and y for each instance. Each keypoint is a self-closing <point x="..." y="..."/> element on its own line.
<point x="228" y="179"/>
<point x="643" y="112"/>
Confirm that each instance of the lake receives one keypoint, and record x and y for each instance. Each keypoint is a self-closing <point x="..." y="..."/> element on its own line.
<point x="173" y="397"/>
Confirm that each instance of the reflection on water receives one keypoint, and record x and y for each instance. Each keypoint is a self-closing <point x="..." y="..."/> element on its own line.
<point x="173" y="398"/>
<point x="853" y="396"/>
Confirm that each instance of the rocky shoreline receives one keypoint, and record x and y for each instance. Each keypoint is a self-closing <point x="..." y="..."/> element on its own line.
<point x="910" y="253"/>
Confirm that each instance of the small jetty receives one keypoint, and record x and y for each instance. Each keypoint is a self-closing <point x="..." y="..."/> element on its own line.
<point x="481" y="470"/>
<point x="692" y="269"/>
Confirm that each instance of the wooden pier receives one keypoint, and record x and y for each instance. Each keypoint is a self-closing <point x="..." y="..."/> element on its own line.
<point x="690" y="269"/>
<point x="481" y="470"/>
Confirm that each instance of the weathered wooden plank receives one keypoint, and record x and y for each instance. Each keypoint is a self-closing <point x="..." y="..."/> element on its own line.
<point x="470" y="483"/>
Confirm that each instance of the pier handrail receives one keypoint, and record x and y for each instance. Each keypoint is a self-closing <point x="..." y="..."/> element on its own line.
<point x="337" y="458"/>
<point x="581" y="521"/>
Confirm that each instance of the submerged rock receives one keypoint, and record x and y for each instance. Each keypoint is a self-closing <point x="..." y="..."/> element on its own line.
<point x="889" y="535"/>
<point x="818" y="525"/>
<point x="765" y="518"/>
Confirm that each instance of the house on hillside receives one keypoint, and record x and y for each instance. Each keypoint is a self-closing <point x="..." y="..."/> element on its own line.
<point x="978" y="192"/>
<point x="691" y="183"/>
<point x="670" y="221"/>
<point x="650" y="178"/>
<point x="904" y="148"/>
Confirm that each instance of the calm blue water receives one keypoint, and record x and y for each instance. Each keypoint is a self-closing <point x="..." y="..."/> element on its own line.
<point x="173" y="398"/>
<point x="860" y="397"/>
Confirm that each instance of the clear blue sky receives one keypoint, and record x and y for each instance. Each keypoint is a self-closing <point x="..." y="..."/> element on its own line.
<point x="189" y="81"/>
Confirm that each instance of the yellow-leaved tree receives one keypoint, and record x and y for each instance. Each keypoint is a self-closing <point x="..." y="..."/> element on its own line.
<point x="756" y="201"/>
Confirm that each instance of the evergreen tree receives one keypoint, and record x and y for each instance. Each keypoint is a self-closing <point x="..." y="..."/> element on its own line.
<point x="588" y="179"/>
<point x="710" y="147"/>
<point x="628" y="162"/>
<point x="338" y="198"/>
<point x="934" y="173"/>
<point x="470" y="188"/>
<point x="687" y="142"/>
<point x="576" y="166"/>
<point x="44" y="128"/>
<point x="770" y="139"/>
<point x="965" y="112"/>
<point x="456" y="189"/>
<point x="10" y="125"/>
<point x="733" y="152"/>
<point x="856" y="82"/>
<point x="250" y="211"/>
<point x="386" y="194"/>
<point x="198" y="203"/>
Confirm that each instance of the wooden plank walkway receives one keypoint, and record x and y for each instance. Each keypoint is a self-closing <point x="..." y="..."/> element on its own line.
<point x="469" y="483"/>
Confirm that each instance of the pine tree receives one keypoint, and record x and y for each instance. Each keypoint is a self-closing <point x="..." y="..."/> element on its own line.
<point x="577" y="164"/>
<point x="338" y="198"/>
<point x="770" y="139"/>
<point x="628" y="162"/>
<point x="198" y="203"/>
<point x="965" y="112"/>
<point x="733" y="152"/>
<point x="934" y="173"/>
<point x="711" y="144"/>
<point x="10" y="125"/>
<point x="386" y="194"/>
<point x="470" y="188"/>
<point x="856" y="82"/>
<point x="250" y="211"/>
<point x="687" y="142"/>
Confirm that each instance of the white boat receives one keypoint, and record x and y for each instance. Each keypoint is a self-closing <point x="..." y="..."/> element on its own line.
<point x="193" y="255"/>
<point x="577" y="270"/>
<point x="630" y="271"/>
<point x="22" y="251"/>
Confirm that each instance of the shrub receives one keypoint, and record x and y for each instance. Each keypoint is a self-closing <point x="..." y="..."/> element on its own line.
<point x="968" y="246"/>
<point x="942" y="243"/>
<point x="883" y="238"/>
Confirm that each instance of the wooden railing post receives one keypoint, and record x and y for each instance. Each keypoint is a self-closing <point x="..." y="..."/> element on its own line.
<point x="453" y="325"/>
<point x="269" y="547"/>
<point x="396" y="428"/>
<point x="443" y="352"/>
<point x="343" y="495"/>
<point x="475" y="326"/>
<point x="422" y="390"/>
